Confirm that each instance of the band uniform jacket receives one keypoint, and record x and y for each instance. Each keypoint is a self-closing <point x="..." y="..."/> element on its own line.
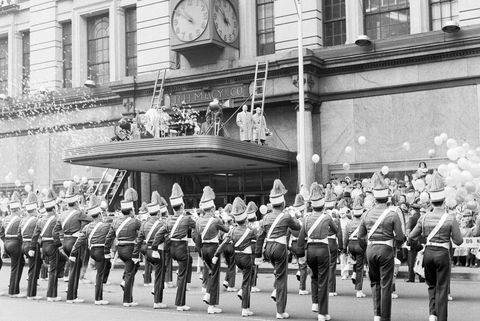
<point x="389" y="229"/>
<point x="186" y="224"/>
<point x="279" y="231"/>
<point x="449" y="229"/>
<point x="75" y="222"/>
<point x="337" y="235"/>
<point x="326" y="227"/>
<point x="145" y="230"/>
<point x="234" y="235"/>
<point x="98" y="238"/>
<point x="349" y="229"/>
<point x="127" y="235"/>
<point x="52" y="231"/>
<point x="13" y="229"/>
<point x="212" y="234"/>
<point x="25" y="232"/>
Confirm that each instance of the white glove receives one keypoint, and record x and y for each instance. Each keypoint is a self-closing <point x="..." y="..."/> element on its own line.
<point x="214" y="260"/>
<point x="72" y="258"/>
<point x="31" y="253"/>
<point x="107" y="256"/>
<point x="155" y="254"/>
<point x="135" y="260"/>
<point x="302" y="260"/>
<point x="258" y="261"/>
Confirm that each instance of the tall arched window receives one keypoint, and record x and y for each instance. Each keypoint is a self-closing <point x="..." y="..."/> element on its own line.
<point x="98" y="49"/>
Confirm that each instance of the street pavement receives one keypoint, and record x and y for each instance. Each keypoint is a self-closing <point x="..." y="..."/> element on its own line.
<point x="412" y="303"/>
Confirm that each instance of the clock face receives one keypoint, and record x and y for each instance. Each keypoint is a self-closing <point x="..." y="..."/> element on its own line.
<point x="226" y="21"/>
<point x="190" y="19"/>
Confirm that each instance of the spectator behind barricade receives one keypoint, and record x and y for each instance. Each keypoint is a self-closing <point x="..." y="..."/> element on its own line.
<point x="422" y="170"/>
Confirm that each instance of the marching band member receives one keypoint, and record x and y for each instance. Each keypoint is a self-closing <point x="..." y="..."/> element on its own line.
<point x="299" y="206"/>
<point x="229" y="253"/>
<point x="335" y="242"/>
<point x="274" y="232"/>
<point x="254" y="225"/>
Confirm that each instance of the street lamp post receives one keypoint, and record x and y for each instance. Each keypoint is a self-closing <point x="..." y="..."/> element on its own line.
<point x="302" y="165"/>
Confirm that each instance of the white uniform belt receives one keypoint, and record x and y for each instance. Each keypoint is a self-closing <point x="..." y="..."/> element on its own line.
<point x="388" y="242"/>
<point x="11" y="236"/>
<point x="179" y="240"/>
<point x="293" y="238"/>
<point x="125" y="242"/>
<point x="97" y="245"/>
<point x="27" y="240"/>
<point x="46" y="239"/>
<point x="355" y="238"/>
<point x="332" y="237"/>
<point x="324" y="240"/>
<point x="76" y="234"/>
<point x="214" y="240"/>
<point x="281" y="240"/>
<point x="444" y="245"/>
<point x="247" y="250"/>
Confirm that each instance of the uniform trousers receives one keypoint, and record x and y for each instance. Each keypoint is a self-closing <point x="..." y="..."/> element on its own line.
<point x="332" y="281"/>
<point x="125" y="254"/>
<point x="13" y="247"/>
<point x="180" y="253"/>
<point x="412" y="257"/>
<point x="204" y="275"/>
<point x="74" y="267"/>
<point x="245" y="263"/>
<point x="358" y="254"/>
<point x="158" y="265"/>
<point x="56" y="263"/>
<point x="34" y="265"/>
<point x="276" y="253"/>
<point x="147" y="273"/>
<point x="229" y="254"/>
<point x="168" y="267"/>
<point x="97" y="253"/>
<point x="318" y="259"/>
<point x="436" y="261"/>
<point x="213" y="276"/>
<point x="106" y="274"/>
<point x="302" y="268"/>
<point x="380" y="260"/>
<point x="254" y="272"/>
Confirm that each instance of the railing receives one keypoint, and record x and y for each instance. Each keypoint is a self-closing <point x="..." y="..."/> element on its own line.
<point x="8" y="4"/>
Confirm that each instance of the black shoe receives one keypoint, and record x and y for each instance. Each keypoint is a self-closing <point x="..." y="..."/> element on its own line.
<point x="410" y="281"/>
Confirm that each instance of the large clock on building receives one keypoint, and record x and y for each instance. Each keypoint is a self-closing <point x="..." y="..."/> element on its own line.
<point x="203" y="23"/>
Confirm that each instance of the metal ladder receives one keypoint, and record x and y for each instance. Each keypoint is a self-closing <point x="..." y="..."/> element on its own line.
<point x="114" y="187"/>
<point x="157" y="95"/>
<point x="259" y="85"/>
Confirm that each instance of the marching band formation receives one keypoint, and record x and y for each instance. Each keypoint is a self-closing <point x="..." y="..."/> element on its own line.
<point x="40" y="232"/>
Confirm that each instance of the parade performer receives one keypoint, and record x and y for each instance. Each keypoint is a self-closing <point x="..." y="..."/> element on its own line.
<point x="335" y="242"/>
<point x="274" y="230"/>
<point x="93" y="235"/>
<point x="439" y="228"/>
<point x="125" y="230"/>
<point x="254" y="225"/>
<point x="175" y="232"/>
<point x="207" y="241"/>
<point x="313" y="239"/>
<point x="71" y="222"/>
<point x="355" y="246"/>
<point x="229" y="253"/>
<point x="9" y="233"/>
<point x="27" y="227"/>
<point x="243" y="239"/>
<point x="143" y="244"/>
<point x="382" y="228"/>
<point x="47" y="234"/>
<point x="299" y="206"/>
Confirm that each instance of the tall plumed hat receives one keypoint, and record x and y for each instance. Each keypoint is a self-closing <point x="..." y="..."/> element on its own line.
<point x="176" y="198"/>
<point x="238" y="209"/>
<point x="357" y="206"/>
<point x="226" y="213"/>
<point x="317" y="197"/>
<point x="299" y="202"/>
<point x="31" y="201"/>
<point x="94" y="208"/>
<point x="15" y="202"/>
<point x="50" y="200"/>
<point x="329" y="199"/>
<point x="129" y="197"/>
<point x="277" y="192"/>
<point x="380" y="188"/>
<point x="251" y="210"/>
<point x="71" y="195"/>
<point x="208" y="199"/>
<point x="437" y="188"/>
<point x="160" y="201"/>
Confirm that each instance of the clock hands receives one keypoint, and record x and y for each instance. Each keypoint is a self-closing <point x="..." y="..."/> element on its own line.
<point x="186" y="16"/>
<point x="225" y="19"/>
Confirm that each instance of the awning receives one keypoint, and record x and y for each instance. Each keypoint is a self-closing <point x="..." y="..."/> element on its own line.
<point x="184" y="154"/>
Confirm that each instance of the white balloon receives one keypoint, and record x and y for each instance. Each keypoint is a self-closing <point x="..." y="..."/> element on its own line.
<point x="385" y="170"/>
<point x="315" y="158"/>
<point x="462" y="163"/>
<point x="444" y="136"/>
<point x="31" y="172"/>
<point x="438" y="140"/>
<point x="76" y="179"/>
<point x="299" y="158"/>
<point x="84" y="180"/>
<point x="428" y="178"/>
<point x="18" y="183"/>
<point x="466" y="176"/>
<point x="466" y="146"/>
<point x="346" y="166"/>
<point x="28" y="188"/>
<point x="431" y="152"/>
<point x="362" y="140"/>
<point x="348" y="149"/>
<point x="424" y="197"/>
<point x="406" y="146"/>
<point x="452" y="154"/>
<point x="451" y="143"/>
<point x="452" y="166"/>
<point x="456" y="174"/>
<point x="451" y="202"/>
<point x="450" y="192"/>
<point x="443" y="170"/>
<point x="450" y="181"/>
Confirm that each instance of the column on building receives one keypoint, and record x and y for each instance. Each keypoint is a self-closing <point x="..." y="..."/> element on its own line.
<point x="248" y="34"/>
<point x="354" y="20"/>
<point x="419" y="16"/>
<point x="117" y="41"/>
<point x="308" y="143"/>
<point x="14" y="59"/>
<point x="145" y="187"/>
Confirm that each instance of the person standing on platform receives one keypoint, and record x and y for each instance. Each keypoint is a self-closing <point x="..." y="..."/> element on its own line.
<point x="243" y="239"/>
<point x="143" y="244"/>
<point x="125" y="230"/>
<point x="175" y="233"/>
<point x="47" y="234"/>
<point x="254" y="225"/>
<point x="27" y="227"/>
<point x="259" y="127"/>
<point x="382" y="229"/>
<point x="355" y="246"/>
<point x="9" y="234"/>
<point x="439" y="228"/>
<point x="244" y="123"/>
<point x="313" y="239"/>
<point x="71" y="223"/>
<point x="207" y="241"/>
<point x="274" y="230"/>
<point x="93" y="235"/>
<point x="300" y="207"/>
<point x="335" y="242"/>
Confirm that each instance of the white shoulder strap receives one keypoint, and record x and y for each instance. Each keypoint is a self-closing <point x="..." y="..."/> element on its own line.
<point x="13" y="220"/>
<point x="95" y="228"/>
<point x="69" y="216"/>
<point x="174" y="228"/>
<point x="24" y="228"/>
<point x="240" y="240"/>
<point x="354" y="233"/>
<point x="122" y="226"/>
<point x="315" y="224"/>
<point x="205" y="230"/>
<point x="274" y="224"/>
<point x="46" y="225"/>
<point x="378" y="222"/>
<point x="150" y="233"/>
<point x="437" y="227"/>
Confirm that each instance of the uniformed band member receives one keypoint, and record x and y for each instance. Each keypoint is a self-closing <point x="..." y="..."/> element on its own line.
<point x="229" y="255"/>
<point x="254" y="225"/>
<point x="438" y="227"/>
<point x="47" y="234"/>
<point x="156" y="257"/>
<point x="243" y="239"/>
<point x="335" y="242"/>
<point x="355" y="246"/>
<point x="274" y="233"/>
<point x="27" y="227"/>
<point x="175" y="232"/>
<point x="382" y="228"/>
<point x="125" y="230"/>
<point x="71" y="222"/>
<point x="313" y="238"/>
<point x="13" y="245"/>
<point x="299" y="206"/>
<point x="93" y="235"/>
